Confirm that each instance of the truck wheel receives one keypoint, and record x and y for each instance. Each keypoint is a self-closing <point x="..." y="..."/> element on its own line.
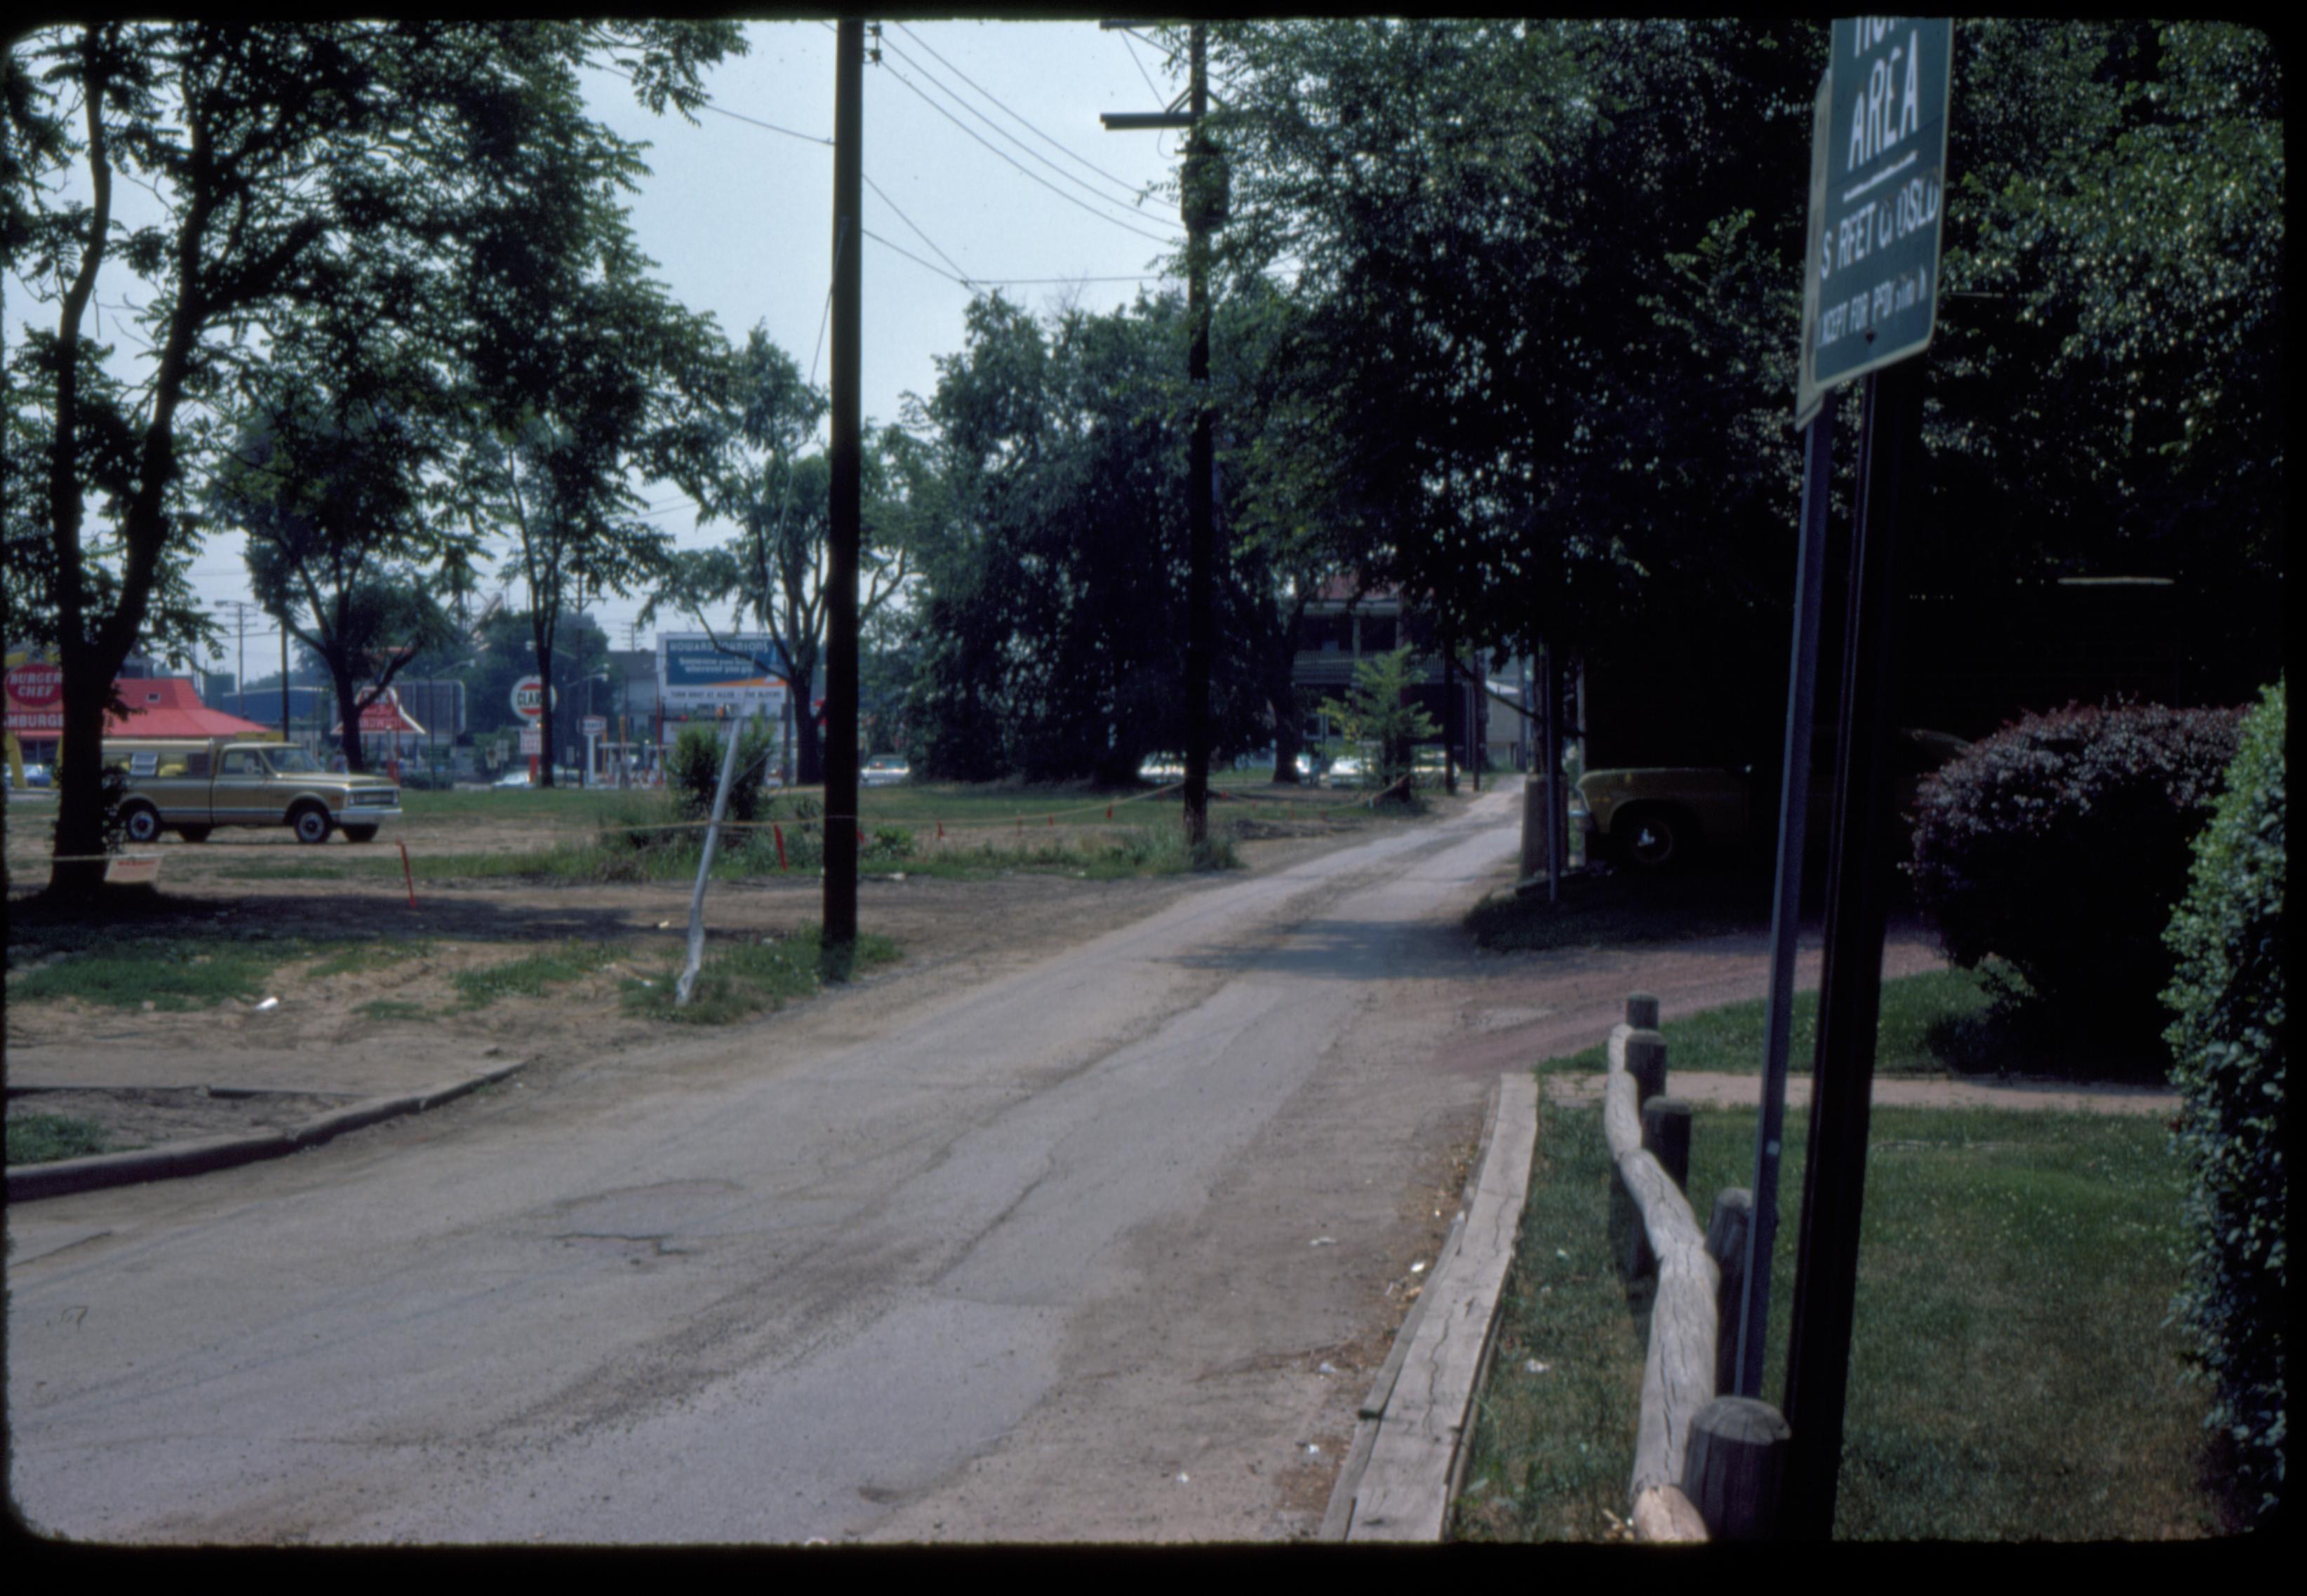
<point x="360" y="833"/>
<point x="142" y="823"/>
<point x="312" y="824"/>
<point x="1658" y="839"/>
<point x="194" y="833"/>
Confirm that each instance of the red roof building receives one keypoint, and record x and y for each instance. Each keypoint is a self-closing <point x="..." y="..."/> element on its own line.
<point x="169" y="707"/>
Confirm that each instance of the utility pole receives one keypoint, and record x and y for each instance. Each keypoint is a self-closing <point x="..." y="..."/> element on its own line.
<point x="841" y="823"/>
<point x="240" y="608"/>
<point x="1201" y="202"/>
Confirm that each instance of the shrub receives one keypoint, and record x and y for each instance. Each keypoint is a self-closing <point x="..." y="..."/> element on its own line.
<point x="694" y="771"/>
<point x="2059" y="847"/>
<point x="2227" y="1051"/>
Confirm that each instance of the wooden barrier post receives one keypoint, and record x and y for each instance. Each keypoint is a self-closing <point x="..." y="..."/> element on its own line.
<point x="1665" y="1134"/>
<point x="1642" y="1011"/>
<point x="1646" y="1062"/>
<point x="1733" y="1465"/>
<point x="1725" y="1244"/>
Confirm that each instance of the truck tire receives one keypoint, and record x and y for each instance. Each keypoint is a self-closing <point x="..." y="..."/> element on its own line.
<point x="358" y="834"/>
<point x="311" y="823"/>
<point x="141" y="822"/>
<point x="194" y="833"/>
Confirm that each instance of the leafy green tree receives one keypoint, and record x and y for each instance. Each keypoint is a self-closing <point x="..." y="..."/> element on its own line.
<point x="1378" y="713"/>
<point x="327" y="482"/>
<point x="278" y="151"/>
<point x="1052" y="618"/>
<point x="779" y="497"/>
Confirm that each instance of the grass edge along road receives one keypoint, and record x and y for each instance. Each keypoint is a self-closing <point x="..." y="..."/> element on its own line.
<point x="2013" y="1376"/>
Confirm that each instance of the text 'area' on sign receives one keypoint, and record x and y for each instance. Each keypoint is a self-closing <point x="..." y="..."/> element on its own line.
<point x="1877" y="178"/>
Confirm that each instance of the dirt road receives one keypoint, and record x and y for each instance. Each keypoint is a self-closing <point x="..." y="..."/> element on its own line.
<point x="1103" y="1245"/>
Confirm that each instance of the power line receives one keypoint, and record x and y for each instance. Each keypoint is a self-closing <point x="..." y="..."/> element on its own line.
<point x="1134" y="189"/>
<point x="932" y="80"/>
<point x="1007" y="282"/>
<point x="732" y="116"/>
<point x="910" y="222"/>
<point x="1053" y="188"/>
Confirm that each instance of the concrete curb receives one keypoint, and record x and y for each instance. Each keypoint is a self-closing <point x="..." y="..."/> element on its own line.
<point x="1410" y="1451"/>
<point x="174" y="1160"/>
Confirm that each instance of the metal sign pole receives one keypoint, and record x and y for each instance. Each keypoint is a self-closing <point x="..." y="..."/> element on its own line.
<point x="1850" y="990"/>
<point x="1786" y="912"/>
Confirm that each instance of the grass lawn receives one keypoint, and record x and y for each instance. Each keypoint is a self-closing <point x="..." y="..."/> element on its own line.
<point x="1927" y="1027"/>
<point x="2011" y="1375"/>
<point x="741" y="979"/>
<point x="1940" y="1022"/>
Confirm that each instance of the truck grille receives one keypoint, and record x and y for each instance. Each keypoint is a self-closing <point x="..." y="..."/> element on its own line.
<point x="374" y="798"/>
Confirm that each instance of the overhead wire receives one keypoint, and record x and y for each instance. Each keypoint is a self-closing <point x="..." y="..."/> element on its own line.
<point x="1135" y="189"/>
<point x="1102" y="216"/>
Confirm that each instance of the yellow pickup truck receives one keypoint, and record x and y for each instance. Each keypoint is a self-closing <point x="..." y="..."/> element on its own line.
<point x="192" y="785"/>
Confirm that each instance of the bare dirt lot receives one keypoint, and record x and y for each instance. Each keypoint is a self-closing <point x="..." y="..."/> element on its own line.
<point x="349" y="1026"/>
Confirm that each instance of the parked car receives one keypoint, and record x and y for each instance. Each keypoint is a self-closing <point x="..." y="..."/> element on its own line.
<point x="516" y="777"/>
<point x="1660" y="817"/>
<point x="1347" y="770"/>
<point x="884" y="770"/>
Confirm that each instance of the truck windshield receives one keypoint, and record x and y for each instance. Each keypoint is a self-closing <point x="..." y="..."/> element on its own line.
<point x="293" y="762"/>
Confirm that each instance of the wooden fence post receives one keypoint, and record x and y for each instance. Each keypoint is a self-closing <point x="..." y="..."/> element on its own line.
<point x="1725" y="1244"/>
<point x="1666" y="1133"/>
<point x="1733" y="1466"/>
<point x="1646" y="1062"/>
<point x="1641" y="1011"/>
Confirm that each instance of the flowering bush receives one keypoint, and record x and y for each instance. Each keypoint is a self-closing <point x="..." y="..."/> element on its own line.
<point x="2059" y="847"/>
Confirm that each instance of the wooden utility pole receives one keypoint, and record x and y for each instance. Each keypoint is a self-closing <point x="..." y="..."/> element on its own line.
<point x="1201" y="202"/>
<point x="841" y="574"/>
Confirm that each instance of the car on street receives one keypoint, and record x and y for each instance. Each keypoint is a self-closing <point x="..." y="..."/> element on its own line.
<point x="884" y="770"/>
<point x="511" y="779"/>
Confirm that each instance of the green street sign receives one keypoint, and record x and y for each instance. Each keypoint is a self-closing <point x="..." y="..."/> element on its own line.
<point x="1878" y="175"/>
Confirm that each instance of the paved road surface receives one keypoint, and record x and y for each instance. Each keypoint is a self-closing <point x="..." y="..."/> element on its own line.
<point x="1061" y="1257"/>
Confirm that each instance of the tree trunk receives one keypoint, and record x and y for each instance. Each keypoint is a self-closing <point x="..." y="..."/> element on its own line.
<point x="79" y="872"/>
<point x="544" y="641"/>
<point x="348" y="712"/>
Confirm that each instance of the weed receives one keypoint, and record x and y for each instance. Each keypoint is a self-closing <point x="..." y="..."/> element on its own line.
<point x="741" y="979"/>
<point x="395" y="1008"/>
<point x="43" y="1139"/>
<point x="529" y="977"/>
<point x="168" y="973"/>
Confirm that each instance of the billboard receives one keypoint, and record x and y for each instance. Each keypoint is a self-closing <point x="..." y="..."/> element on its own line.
<point x="695" y="676"/>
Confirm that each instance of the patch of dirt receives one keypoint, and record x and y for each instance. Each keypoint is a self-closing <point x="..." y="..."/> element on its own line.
<point x="143" y="1118"/>
<point x="395" y="1019"/>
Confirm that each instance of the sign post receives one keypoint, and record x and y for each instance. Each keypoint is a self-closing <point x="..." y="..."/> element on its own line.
<point x="532" y="702"/>
<point x="1873" y="305"/>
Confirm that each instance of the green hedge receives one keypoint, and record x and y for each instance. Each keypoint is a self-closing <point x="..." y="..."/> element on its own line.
<point x="2227" y="1047"/>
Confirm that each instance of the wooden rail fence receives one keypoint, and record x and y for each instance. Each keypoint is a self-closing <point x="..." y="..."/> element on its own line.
<point x="1705" y="1466"/>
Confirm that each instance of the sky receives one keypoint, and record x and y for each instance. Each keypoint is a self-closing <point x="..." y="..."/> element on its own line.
<point x="738" y="216"/>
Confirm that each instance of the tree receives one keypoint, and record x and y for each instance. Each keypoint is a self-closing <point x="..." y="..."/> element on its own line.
<point x="1052" y="620"/>
<point x="779" y="498"/>
<point x="327" y="482"/>
<point x="275" y="148"/>
<point x="1376" y="712"/>
<point x="1544" y="279"/>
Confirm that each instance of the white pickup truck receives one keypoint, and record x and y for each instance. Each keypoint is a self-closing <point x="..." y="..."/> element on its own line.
<point x="192" y="785"/>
